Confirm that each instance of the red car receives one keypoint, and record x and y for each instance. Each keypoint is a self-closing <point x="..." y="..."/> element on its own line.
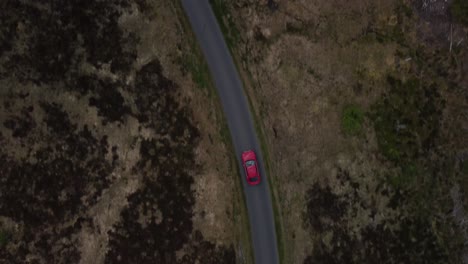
<point x="249" y="161"/>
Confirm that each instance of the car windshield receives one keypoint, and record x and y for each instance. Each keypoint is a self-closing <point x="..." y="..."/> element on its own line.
<point x="249" y="163"/>
<point x="253" y="179"/>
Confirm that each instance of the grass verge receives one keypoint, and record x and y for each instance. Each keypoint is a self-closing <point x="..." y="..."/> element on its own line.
<point x="228" y="27"/>
<point x="196" y="64"/>
<point x="197" y="69"/>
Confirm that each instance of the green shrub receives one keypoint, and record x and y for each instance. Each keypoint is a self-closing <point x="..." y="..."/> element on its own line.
<point x="4" y="237"/>
<point x="464" y="167"/>
<point x="406" y="119"/>
<point x="352" y="119"/>
<point x="460" y="11"/>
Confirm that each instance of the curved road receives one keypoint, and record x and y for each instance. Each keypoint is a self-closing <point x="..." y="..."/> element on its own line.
<point x="240" y="124"/>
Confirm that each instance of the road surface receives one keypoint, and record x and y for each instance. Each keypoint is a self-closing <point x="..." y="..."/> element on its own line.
<point x="239" y="119"/>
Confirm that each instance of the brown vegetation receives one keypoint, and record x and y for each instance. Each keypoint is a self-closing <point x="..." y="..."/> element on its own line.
<point x="362" y="104"/>
<point x="100" y="158"/>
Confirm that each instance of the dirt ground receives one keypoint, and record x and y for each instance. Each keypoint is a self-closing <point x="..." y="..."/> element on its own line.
<point x="363" y="106"/>
<point x="109" y="153"/>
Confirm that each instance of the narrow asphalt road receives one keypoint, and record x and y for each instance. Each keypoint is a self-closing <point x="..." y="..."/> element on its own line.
<point x="239" y="119"/>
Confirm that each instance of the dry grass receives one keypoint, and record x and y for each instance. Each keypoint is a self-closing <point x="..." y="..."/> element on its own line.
<point x="304" y="63"/>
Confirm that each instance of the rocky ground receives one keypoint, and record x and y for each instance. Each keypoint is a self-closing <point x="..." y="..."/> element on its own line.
<point x="363" y="106"/>
<point x="106" y="139"/>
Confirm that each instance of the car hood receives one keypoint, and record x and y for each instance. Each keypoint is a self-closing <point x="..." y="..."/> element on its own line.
<point x="250" y="155"/>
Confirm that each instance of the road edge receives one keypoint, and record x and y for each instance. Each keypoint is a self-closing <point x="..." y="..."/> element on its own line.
<point x="225" y="135"/>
